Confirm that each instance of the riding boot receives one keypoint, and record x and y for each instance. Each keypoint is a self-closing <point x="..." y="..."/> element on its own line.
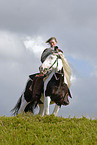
<point x="37" y="87"/>
<point x="37" y="99"/>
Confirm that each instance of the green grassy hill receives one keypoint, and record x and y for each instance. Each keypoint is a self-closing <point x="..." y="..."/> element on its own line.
<point x="27" y="129"/>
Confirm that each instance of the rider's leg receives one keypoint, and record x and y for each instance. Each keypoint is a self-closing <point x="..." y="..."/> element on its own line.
<point x="37" y="87"/>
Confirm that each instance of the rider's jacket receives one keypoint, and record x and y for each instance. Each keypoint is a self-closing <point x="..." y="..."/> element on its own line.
<point x="49" y="51"/>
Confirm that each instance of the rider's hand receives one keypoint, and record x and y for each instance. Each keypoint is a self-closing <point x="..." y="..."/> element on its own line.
<point x="59" y="56"/>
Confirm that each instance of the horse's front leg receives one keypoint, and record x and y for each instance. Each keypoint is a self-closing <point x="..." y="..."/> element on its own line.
<point x="56" y="109"/>
<point x="41" y="109"/>
<point x="46" y="105"/>
<point x="47" y="98"/>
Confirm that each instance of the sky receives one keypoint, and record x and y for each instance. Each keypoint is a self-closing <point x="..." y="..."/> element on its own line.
<point x="24" y="28"/>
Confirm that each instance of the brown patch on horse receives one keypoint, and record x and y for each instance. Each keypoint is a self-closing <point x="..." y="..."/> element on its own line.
<point x="60" y="94"/>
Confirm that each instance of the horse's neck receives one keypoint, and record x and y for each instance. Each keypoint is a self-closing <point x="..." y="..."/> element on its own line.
<point x="57" y="68"/>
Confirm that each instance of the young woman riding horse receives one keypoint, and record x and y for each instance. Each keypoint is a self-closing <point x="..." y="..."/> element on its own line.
<point x="53" y="61"/>
<point x="37" y="91"/>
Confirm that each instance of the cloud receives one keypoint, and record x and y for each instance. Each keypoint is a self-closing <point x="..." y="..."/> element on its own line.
<point x="10" y="46"/>
<point x="73" y="23"/>
<point x="33" y="16"/>
<point x="35" y="45"/>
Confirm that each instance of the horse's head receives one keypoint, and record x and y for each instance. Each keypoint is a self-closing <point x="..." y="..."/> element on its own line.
<point x="51" y="62"/>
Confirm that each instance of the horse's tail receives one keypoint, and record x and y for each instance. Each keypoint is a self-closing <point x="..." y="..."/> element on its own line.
<point x="17" y="107"/>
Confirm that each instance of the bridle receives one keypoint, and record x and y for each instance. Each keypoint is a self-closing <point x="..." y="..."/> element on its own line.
<point x="48" y="70"/>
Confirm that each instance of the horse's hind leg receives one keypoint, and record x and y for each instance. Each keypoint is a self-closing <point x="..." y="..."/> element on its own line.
<point x="56" y="109"/>
<point x="24" y="103"/>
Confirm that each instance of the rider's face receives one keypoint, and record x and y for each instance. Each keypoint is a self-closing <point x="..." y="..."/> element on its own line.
<point x="52" y="43"/>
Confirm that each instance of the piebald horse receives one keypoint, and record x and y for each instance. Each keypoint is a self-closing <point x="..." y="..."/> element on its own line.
<point x="53" y="63"/>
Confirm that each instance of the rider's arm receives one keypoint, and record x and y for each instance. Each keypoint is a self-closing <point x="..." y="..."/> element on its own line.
<point x="42" y="55"/>
<point x="58" y="49"/>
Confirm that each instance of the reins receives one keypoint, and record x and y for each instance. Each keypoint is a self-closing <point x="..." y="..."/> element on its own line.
<point x="54" y="63"/>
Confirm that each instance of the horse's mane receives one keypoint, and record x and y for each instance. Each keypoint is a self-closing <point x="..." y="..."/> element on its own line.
<point x="66" y="69"/>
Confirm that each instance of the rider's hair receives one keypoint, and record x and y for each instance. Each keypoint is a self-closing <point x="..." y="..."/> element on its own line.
<point x="51" y="39"/>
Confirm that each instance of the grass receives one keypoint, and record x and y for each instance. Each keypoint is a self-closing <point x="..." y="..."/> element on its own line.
<point x="28" y="129"/>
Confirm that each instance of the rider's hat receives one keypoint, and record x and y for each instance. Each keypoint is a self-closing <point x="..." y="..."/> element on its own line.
<point x="51" y="39"/>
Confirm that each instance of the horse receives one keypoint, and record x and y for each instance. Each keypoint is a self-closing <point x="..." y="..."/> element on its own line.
<point x="50" y="89"/>
<point x="54" y="63"/>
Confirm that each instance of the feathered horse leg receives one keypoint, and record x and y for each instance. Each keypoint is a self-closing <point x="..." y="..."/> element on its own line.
<point x="41" y="106"/>
<point x="41" y="109"/>
<point x="46" y="105"/>
<point x="56" y="109"/>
